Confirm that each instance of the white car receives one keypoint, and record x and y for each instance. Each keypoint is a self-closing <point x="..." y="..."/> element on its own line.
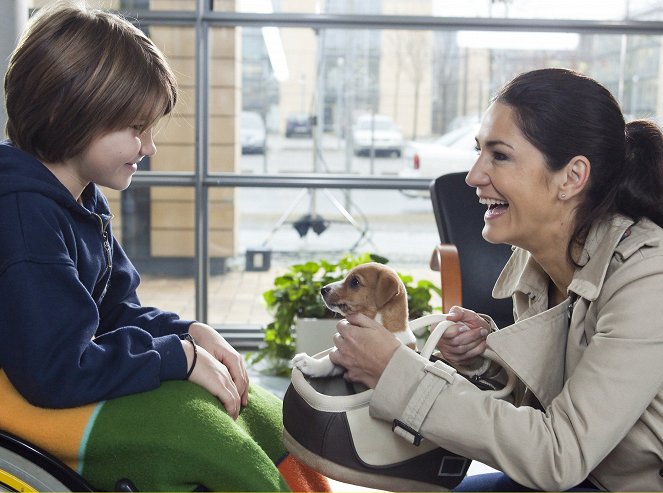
<point x="252" y="133"/>
<point x="378" y="132"/>
<point x="454" y="151"/>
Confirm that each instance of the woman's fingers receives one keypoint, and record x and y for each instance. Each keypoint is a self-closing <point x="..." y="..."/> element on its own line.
<point x="461" y="343"/>
<point x="468" y="317"/>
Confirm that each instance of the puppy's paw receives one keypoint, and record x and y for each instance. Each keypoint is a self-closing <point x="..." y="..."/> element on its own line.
<point x="299" y="359"/>
<point x="313" y="367"/>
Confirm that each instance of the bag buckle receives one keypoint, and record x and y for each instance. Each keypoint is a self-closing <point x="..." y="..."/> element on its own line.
<point x="407" y="432"/>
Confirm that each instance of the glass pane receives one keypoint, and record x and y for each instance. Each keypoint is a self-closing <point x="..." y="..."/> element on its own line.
<point x="280" y="227"/>
<point x="562" y="9"/>
<point x="366" y="102"/>
<point x="224" y="99"/>
<point x="131" y="5"/>
<point x="175" y="134"/>
<point x="377" y="102"/>
<point x="163" y="4"/>
<point x="155" y="227"/>
<point x="514" y="9"/>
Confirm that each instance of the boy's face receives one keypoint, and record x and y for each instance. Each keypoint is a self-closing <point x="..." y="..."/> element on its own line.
<point x="111" y="159"/>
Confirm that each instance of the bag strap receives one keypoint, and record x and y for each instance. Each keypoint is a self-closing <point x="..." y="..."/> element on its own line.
<point x="442" y="325"/>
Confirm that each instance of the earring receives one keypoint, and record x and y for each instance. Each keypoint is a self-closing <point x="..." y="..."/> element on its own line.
<point x="562" y="196"/>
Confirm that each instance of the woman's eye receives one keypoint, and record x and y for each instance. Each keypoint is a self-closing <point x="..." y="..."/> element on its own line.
<point x="499" y="156"/>
<point x="477" y="149"/>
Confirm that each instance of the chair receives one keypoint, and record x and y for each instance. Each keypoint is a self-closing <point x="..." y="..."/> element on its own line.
<point x="468" y="264"/>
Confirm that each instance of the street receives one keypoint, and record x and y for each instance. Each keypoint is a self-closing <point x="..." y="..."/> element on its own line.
<point x="295" y="155"/>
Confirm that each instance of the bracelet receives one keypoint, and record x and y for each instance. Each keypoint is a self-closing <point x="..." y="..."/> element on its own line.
<point x="189" y="337"/>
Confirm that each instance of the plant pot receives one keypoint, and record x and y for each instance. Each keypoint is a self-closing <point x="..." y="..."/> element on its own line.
<point x="313" y="335"/>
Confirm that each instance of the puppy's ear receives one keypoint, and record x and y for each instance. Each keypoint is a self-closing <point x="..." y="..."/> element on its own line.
<point x="387" y="287"/>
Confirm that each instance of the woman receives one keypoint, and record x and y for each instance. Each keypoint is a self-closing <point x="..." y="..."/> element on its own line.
<point x="577" y="192"/>
<point x="86" y="372"/>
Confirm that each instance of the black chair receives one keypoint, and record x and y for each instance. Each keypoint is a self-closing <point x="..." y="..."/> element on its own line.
<point x="467" y="263"/>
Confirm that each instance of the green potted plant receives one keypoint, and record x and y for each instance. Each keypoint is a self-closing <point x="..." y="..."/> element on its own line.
<point x="296" y="296"/>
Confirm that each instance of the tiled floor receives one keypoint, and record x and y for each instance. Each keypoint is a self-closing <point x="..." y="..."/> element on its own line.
<point x="235" y="298"/>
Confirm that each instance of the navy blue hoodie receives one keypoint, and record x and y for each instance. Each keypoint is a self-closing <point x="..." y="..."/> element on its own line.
<point x="72" y="330"/>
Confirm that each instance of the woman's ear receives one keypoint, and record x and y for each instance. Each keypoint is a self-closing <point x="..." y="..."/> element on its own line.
<point x="575" y="177"/>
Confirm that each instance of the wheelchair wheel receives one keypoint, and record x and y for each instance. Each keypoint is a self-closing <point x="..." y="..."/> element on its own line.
<point x="23" y="467"/>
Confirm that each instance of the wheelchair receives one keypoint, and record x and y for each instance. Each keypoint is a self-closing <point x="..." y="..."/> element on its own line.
<point x="24" y="467"/>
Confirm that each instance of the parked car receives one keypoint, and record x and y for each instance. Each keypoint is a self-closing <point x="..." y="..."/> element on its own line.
<point x="453" y="151"/>
<point x="298" y="125"/>
<point x="252" y="133"/>
<point x="378" y="132"/>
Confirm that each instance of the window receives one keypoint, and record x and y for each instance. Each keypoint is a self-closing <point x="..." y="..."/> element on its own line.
<point x="294" y="135"/>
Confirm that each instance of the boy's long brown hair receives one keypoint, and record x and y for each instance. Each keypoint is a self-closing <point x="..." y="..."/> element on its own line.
<point x="78" y="73"/>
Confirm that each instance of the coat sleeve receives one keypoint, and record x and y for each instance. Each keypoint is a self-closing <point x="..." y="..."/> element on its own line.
<point x="612" y="387"/>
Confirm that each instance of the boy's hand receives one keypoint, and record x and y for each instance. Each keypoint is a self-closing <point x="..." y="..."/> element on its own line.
<point x="226" y="363"/>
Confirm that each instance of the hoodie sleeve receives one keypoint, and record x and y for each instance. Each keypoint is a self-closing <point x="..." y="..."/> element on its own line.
<point x="121" y="306"/>
<point x="50" y="352"/>
<point x="52" y="349"/>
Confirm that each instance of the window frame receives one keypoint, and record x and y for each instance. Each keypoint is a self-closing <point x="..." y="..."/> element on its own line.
<point x="204" y="18"/>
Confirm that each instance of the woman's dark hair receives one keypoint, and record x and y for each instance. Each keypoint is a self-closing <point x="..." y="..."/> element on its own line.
<point x="565" y="114"/>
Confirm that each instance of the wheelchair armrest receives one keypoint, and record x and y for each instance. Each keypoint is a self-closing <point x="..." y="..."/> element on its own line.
<point x="445" y="260"/>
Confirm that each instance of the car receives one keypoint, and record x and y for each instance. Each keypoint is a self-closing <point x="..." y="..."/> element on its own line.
<point x="377" y="132"/>
<point x="252" y="133"/>
<point x="452" y="152"/>
<point x="298" y="125"/>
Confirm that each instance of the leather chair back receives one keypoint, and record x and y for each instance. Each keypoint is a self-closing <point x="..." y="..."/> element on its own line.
<point x="459" y="217"/>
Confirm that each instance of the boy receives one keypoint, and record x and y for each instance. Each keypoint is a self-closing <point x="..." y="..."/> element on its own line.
<point x="84" y="90"/>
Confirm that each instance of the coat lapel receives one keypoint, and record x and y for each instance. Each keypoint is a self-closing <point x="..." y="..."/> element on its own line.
<point x="535" y="348"/>
<point x="532" y="349"/>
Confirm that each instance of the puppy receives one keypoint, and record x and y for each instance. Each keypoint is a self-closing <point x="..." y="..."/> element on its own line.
<point x="372" y="289"/>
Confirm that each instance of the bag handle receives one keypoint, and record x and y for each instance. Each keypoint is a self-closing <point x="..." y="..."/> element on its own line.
<point x="442" y="325"/>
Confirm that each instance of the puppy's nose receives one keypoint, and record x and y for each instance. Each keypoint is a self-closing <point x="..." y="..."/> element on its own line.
<point x="324" y="290"/>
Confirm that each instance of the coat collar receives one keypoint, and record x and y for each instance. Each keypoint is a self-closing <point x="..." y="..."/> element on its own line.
<point x="534" y="346"/>
<point x="523" y="274"/>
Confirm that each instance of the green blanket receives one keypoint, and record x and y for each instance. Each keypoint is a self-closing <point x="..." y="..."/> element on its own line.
<point x="175" y="438"/>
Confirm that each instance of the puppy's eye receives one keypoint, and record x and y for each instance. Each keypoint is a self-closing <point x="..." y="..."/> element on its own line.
<point x="354" y="282"/>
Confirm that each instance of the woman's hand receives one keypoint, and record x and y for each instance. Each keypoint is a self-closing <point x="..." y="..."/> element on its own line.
<point x="222" y="368"/>
<point x="465" y="342"/>
<point x="363" y="348"/>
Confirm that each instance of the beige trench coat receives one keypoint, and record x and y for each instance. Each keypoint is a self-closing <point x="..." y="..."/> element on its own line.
<point x="596" y="367"/>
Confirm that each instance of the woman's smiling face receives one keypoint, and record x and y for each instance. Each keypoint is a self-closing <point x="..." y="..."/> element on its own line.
<point x="512" y="179"/>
